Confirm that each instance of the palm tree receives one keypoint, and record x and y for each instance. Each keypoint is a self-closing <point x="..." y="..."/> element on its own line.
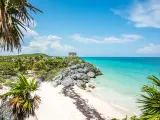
<point x="19" y="100"/>
<point x="150" y="101"/>
<point x="19" y="64"/>
<point x="14" y="17"/>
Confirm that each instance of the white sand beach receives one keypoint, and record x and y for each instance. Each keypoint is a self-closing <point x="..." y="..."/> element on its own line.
<point x="55" y="106"/>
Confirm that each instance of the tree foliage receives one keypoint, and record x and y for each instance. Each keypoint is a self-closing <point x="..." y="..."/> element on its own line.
<point x="41" y="65"/>
<point x="19" y="100"/>
<point x="150" y="100"/>
<point x="14" y="17"/>
<point x="7" y="68"/>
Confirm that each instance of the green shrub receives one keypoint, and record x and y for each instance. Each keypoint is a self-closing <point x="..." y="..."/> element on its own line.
<point x="8" y="83"/>
<point x="114" y="119"/>
<point x="1" y="86"/>
<point x="125" y="118"/>
<point x="40" y="65"/>
<point x="7" y="68"/>
<point x="41" y="74"/>
<point x="2" y="80"/>
<point x="150" y="99"/>
<point x="51" y="74"/>
<point x="134" y="118"/>
<point x="58" y="57"/>
<point x="50" y="61"/>
<point x="21" y="65"/>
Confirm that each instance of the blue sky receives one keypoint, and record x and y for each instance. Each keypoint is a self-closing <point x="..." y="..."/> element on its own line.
<point x="95" y="28"/>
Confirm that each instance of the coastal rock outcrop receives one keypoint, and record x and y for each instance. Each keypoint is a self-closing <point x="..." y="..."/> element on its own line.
<point x="76" y="74"/>
<point x="68" y="81"/>
<point x="56" y="83"/>
<point x="91" y="74"/>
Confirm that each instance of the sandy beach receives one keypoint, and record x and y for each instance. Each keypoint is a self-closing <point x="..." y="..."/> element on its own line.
<point x="55" y="106"/>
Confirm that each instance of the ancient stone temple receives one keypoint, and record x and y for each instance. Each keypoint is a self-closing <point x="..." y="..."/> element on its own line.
<point x="72" y="54"/>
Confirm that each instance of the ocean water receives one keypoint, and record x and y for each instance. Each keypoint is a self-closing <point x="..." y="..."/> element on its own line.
<point x="123" y="78"/>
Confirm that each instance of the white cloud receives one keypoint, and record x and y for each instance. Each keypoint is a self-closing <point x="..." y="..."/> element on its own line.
<point x="143" y="14"/>
<point x="49" y="37"/>
<point x="4" y="53"/>
<point x="46" y="43"/>
<point x="28" y="33"/>
<point x="43" y="44"/>
<point x="39" y="44"/>
<point x="150" y="49"/>
<point x="78" y="37"/>
<point x="124" y="39"/>
<point x="132" y="36"/>
<point x="59" y="47"/>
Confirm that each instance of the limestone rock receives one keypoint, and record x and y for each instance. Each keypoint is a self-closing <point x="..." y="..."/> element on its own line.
<point x="73" y="67"/>
<point x="56" y="83"/>
<point x="74" y="76"/>
<point x="91" y="74"/>
<point x="80" y="76"/>
<point x="72" y="71"/>
<point x="68" y="81"/>
<point x="81" y="84"/>
<point x="85" y="77"/>
<point x="76" y="71"/>
<point x="80" y="70"/>
<point x="98" y="72"/>
<point x="82" y="65"/>
<point x="77" y="74"/>
<point x="91" y="86"/>
<point x="65" y="74"/>
<point x="86" y="69"/>
<point x="70" y="64"/>
<point x="88" y="90"/>
<point x="78" y="66"/>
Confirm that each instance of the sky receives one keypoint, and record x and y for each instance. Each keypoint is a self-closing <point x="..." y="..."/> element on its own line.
<point x="94" y="28"/>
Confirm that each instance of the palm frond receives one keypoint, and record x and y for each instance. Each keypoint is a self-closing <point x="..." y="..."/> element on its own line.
<point x="20" y="100"/>
<point x="155" y="80"/>
<point x="150" y="101"/>
<point x="14" y="17"/>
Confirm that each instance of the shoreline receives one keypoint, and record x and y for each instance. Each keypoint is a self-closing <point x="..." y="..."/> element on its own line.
<point x="53" y="101"/>
<point x="55" y="105"/>
<point x="97" y="93"/>
<point x="119" y="111"/>
<point x="70" y="93"/>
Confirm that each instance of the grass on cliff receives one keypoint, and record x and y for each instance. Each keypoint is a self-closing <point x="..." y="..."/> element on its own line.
<point x="40" y="64"/>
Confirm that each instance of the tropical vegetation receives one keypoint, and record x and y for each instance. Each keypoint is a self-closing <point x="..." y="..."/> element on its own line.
<point x="15" y="15"/>
<point x="41" y="65"/>
<point x="46" y="67"/>
<point x="150" y="100"/>
<point x="19" y="101"/>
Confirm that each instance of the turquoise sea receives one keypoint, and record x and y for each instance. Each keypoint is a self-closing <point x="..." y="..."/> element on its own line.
<point x="123" y="78"/>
